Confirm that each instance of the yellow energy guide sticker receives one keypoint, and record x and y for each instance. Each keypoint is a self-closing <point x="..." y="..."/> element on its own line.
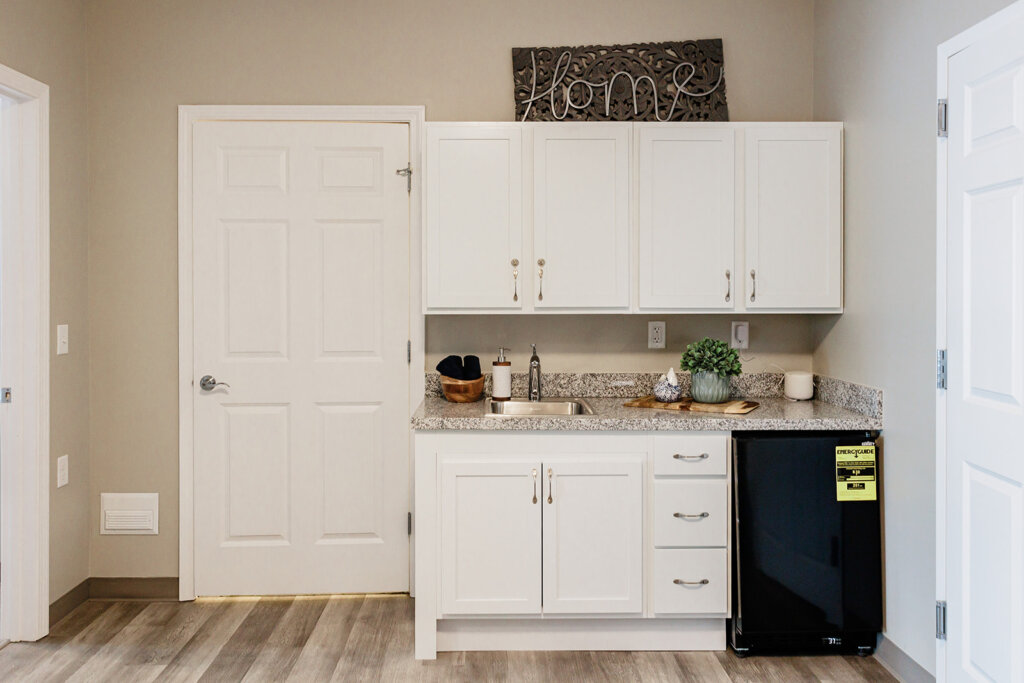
<point x="856" y="473"/>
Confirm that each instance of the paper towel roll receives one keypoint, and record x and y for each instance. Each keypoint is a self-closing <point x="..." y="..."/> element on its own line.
<point x="799" y="385"/>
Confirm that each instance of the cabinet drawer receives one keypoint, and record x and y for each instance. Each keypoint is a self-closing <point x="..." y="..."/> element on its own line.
<point x="690" y="512"/>
<point x="690" y="454"/>
<point x="694" y="567"/>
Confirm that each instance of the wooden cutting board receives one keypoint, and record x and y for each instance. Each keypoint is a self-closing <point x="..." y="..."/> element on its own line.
<point x="688" y="404"/>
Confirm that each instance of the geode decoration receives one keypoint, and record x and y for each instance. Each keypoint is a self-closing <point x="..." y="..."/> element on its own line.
<point x="674" y="81"/>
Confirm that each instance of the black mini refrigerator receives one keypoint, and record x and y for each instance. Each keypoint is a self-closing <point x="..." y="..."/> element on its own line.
<point x="807" y="548"/>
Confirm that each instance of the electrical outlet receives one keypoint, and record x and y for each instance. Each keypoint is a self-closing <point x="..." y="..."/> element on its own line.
<point x="740" y="335"/>
<point x="62" y="471"/>
<point x="656" y="335"/>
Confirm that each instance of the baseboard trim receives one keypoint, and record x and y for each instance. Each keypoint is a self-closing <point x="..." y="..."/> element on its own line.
<point x="900" y="664"/>
<point x="114" y="588"/>
<point x="133" y="588"/>
<point x="65" y="604"/>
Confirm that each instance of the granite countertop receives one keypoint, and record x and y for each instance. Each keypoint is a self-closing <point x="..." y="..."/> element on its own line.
<point x="774" y="413"/>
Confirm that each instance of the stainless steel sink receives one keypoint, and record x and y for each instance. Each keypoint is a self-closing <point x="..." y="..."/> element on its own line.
<point x="521" y="407"/>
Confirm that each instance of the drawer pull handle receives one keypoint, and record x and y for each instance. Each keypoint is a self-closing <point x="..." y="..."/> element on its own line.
<point x="534" y="485"/>
<point x="680" y="582"/>
<point x="683" y="515"/>
<point x="680" y="456"/>
<point x="551" y="487"/>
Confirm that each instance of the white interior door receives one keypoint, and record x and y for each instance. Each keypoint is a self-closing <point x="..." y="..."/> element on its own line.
<point x="985" y="336"/>
<point x="581" y="216"/>
<point x="593" y="534"/>
<point x="301" y="262"/>
<point x="687" y="187"/>
<point x="475" y="217"/>
<point x="794" y="218"/>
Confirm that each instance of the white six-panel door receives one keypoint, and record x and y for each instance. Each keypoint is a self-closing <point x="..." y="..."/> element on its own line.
<point x="474" y="239"/>
<point x="686" y="192"/>
<point x="794" y="218"/>
<point x="301" y="288"/>
<point x="581" y="216"/>
<point x="593" y="534"/>
<point x="984" y="505"/>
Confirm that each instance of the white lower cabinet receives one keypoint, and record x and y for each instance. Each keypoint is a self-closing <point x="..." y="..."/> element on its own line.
<point x="690" y="581"/>
<point x="565" y="541"/>
<point x="490" y="536"/>
<point x="593" y="535"/>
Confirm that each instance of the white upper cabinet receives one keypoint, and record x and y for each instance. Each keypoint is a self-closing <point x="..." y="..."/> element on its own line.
<point x="634" y="217"/>
<point x="794" y="217"/>
<point x="474" y="235"/>
<point x="581" y="216"/>
<point x="686" y="194"/>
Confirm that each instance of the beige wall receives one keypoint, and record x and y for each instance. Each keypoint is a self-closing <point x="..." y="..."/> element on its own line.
<point x="46" y="39"/>
<point x="875" y="68"/>
<point x="146" y="58"/>
<point x="615" y="343"/>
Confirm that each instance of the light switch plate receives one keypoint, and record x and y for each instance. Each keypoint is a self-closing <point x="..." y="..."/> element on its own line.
<point x="656" y="335"/>
<point x="740" y="338"/>
<point x="62" y="340"/>
<point x="62" y="471"/>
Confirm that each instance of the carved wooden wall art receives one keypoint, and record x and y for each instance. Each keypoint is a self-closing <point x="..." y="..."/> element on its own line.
<point x="675" y="81"/>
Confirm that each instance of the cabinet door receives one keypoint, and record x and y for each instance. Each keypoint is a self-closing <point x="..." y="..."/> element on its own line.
<point x="593" y="534"/>
<point x="581" y="216"/>
<point x="474" y="217"/>
<point x="794" y="218"/>
<point x="490" y="536"/>
<point x="687" y="216"/>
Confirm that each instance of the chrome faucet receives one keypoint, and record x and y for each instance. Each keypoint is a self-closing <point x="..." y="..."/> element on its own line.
<point x="534" y="392"/>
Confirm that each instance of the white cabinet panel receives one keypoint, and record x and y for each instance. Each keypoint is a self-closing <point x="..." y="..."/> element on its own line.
<point x="690" y="512"/>
<point x="490" y="536"/>
<point x="690" y="454"/>
<point x="690" y="581"/>
<point x="686" y="195"/>
<point x="793" y="218"/>
<point x="593" y="534"/>
<point x="474" y="217"/>
<point x="581" y="198"/>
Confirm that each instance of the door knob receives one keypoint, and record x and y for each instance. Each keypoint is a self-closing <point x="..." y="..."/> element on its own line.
<point x="209" y="383"/>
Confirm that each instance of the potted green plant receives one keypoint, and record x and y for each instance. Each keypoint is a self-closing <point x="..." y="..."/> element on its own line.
<point x="711" y="363"/>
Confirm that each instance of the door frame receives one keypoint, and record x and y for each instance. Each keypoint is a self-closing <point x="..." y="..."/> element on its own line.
<point x="188" y="116"/>
<point x="975" y="34"/>
<point x="25" y="358"/>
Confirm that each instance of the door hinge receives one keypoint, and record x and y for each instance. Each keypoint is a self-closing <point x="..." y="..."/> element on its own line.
<point x="409" y="527"/>
<point x="941" y="369"/>
<point x="940" y="619"/>
<point x="407" y="174"/>
<point x="5" y="395"/>
<point x="408" y="352"/>
<point x="943" y="119"/>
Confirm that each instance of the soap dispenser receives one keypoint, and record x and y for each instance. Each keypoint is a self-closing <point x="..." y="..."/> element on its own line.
<point x="501" y="377"/>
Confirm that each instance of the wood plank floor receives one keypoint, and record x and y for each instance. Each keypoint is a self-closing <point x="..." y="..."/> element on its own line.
<point x="345" y="638"/>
